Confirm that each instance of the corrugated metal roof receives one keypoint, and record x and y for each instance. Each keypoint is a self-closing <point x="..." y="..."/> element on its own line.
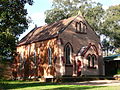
<point x="113" y="57"/>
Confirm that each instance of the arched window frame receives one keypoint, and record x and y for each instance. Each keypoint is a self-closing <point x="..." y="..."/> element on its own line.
<point x="68" y="62"/>
<point x="21" y="57"/>
<point x="78" y="27"/>
<point x="49" y="56"/>
<point x="81" y="27"/>
<point x="89" y="60"/>
<point x="94" y="58"/>
<point x="21" y="62"/>
<point x="84" y="28"/>
<point x="35" y="55"/>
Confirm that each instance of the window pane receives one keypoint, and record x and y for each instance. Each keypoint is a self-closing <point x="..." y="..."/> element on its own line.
<point x="49" y="56"/>
<point x="77" y="27"/>
<point x="82" y="29"/>
<point x="88" y="58"/>
<point x="34" y="56"/>
<point x="93" y="60"/>
<point x="67" y="54"/>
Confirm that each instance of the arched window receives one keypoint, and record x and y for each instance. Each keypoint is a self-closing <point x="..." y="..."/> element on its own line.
<point x="78" y="27"/>
<point x="49" y="56"/>
<point x="84" y="28"/>
<point x="21" y="65"/>
<point x="22" y="57"/>
<point x="93" y="60"/>
<point x="68" y="52"/>
<point x="34" y="55"/>
<point x="89" y="59"/>
<point x="81" y="27"/>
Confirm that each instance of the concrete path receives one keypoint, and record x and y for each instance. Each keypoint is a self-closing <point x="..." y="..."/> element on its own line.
<point x="96" y="83"/>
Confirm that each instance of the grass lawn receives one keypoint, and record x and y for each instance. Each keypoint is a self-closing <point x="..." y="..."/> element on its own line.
<point x="36" y="85"/>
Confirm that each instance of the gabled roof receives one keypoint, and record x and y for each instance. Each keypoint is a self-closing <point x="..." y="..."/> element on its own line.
<point x="84" y="50"/>
<point x="46" y="32"/>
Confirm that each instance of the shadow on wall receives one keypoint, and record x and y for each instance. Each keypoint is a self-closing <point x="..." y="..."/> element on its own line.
<point x="29" y="64"/>
<point x="36" y="63"/>
<point x="5" y="70"/>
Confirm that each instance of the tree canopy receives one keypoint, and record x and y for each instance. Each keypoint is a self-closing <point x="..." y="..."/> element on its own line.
<point x="110" y="27"/>
<point x="13" y="22"/>
<point x="93" y="12"/>
<point x="106" y="22"/>
<point x="111" y="24"/>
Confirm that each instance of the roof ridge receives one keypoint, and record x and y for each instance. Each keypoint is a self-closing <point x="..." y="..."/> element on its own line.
<point x="51" y="30"/>
<point x="60" y="31"/>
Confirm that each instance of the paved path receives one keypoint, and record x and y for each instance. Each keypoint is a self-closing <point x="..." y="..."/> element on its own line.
<point x="96" y="83"/>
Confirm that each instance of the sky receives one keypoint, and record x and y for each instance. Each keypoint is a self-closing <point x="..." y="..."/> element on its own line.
<point x="36" y="11"/>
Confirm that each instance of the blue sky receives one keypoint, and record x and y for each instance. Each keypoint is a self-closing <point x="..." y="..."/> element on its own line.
<point x="36" y="11"/>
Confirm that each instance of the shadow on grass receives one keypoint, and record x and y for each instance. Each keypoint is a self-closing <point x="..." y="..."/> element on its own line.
<point x="8" y="85"/>
<point x="18" y="85"/>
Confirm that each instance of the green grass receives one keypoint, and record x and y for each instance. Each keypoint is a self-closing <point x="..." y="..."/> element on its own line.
<point x="35" y="85"/>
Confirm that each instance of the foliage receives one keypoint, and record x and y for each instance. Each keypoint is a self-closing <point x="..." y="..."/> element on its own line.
<point x="62" y="9"/>
<point x="107" y="46"/>
<point x="13" y="22"/>
<point x="111" y="24"/>
<point x="117" y="50"/>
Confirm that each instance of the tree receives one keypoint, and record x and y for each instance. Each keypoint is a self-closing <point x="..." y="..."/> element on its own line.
<point x="107" y="47"/>
<point x="13" y="22"/>
<point x="93" y="12"/>
<point x="111" y="25"/>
